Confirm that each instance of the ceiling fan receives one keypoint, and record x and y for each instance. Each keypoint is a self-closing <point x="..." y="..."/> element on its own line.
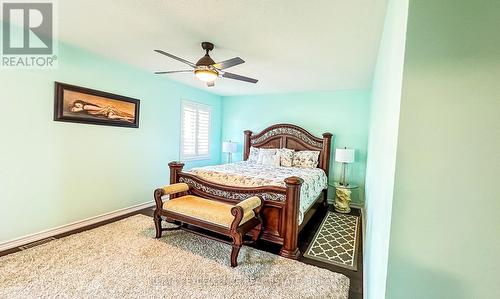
<point x="206" y="69"/>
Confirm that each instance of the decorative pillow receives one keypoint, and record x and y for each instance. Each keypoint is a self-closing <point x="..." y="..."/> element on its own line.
<point x="273" y="160"/>
<point x="265" y="152"/>
<point x="254" y="155"/>
<point x="305" y="159"/>
<point x="286" y="156"/>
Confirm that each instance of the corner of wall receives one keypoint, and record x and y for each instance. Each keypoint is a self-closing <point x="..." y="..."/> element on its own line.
<point x="382" y="147"/>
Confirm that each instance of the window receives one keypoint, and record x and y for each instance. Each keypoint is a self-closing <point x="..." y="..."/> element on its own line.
<point x="195" y="131"/>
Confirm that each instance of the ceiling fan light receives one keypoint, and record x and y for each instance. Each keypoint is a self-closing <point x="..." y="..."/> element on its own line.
<point x="206" y="75"/>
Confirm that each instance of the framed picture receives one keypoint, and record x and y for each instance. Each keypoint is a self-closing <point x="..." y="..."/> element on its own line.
<point x="84" y="105"/>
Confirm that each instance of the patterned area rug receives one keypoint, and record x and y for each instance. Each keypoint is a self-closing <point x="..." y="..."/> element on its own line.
<point x="336" y="241"/>
<point x="124" y="260"/>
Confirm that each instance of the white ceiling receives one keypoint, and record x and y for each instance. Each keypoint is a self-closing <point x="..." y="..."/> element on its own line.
<point x="287" y="45"/>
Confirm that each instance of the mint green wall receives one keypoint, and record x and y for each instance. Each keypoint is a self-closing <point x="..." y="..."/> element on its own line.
<point x="445" y="235"/>
<point x="54" y="173"/>
<point x="382" y="144"/>
<point x="343" y="113"/>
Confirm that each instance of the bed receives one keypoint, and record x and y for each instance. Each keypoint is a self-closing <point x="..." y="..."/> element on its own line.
<point x="250" y="174"/>
<point x="291" y="195"/>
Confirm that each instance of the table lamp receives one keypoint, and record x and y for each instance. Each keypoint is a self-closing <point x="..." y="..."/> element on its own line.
<point x="344" y="156"/>
<point x="229" y="147"/>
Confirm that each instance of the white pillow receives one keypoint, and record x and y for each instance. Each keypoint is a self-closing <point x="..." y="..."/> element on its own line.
<point x="265" y="152"/>
<point x="272" y="160"/>
<point x="305" y="159"/>
<point x="253" y="156"/>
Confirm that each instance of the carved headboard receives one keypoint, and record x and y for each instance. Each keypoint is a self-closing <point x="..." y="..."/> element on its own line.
<point x="292" y="137"/>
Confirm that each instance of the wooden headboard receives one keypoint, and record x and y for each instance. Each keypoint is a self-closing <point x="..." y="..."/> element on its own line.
<point x="292" y="137"/>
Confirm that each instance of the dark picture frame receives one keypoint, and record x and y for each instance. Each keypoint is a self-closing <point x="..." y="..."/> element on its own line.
<point x="78" y="104"/>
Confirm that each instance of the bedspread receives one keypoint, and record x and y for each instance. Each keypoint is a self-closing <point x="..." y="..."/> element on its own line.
<point x="250" y="174"/>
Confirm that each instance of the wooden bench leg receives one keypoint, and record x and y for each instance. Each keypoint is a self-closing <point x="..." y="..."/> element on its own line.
<point x="237" y="241"/>
<point x="156" y="215"/>
<point x="157" y="220"/>
<point x="234" y="255"/>
<point x="256" y="233"/>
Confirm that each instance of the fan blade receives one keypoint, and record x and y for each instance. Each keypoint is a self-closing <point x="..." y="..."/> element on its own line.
<point x="211" y="84"/>
<point x="238" y="77"/>
<point x="228" y="63"/>
<point x="172" y="72"/>
<point x="176" y="58"/>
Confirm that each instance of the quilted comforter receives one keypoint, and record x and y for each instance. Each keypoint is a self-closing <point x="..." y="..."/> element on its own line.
<point x="250" y="174"/>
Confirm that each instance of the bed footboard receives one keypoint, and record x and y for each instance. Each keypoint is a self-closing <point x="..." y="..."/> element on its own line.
<point x="279" y="214"/>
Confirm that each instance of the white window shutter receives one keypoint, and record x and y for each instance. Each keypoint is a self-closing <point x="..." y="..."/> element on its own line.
<point x="195" y="131"/>
<point x="203" y="142"/>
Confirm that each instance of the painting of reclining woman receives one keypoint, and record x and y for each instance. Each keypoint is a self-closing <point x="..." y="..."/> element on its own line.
<point x="83" y="105"/>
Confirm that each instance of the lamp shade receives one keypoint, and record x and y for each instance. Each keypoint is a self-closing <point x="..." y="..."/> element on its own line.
<point x="229" y="147"/>
<point x="344" y="155"/>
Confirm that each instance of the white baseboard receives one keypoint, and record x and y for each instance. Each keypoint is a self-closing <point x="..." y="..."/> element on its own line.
<point x="71" y="226"/>
<point x="356" y="205"/>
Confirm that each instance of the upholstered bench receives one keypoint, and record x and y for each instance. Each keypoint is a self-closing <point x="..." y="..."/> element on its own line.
<point x="229" y="220"/>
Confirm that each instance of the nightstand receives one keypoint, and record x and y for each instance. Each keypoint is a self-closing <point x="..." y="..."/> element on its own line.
<point x="343" y="197"/>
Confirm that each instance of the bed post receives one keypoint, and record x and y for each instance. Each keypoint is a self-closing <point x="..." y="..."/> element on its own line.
<point x="325" y="160"/>
<point x="175" y="168"/>
<point x="246" y="146"/>
<point x="290" y="249"/>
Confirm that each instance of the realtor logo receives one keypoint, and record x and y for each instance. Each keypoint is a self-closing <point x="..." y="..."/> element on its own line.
<point x="28" y="34"/>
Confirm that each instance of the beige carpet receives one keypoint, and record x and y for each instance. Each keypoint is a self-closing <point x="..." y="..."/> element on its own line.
<point x="122" y="259"/>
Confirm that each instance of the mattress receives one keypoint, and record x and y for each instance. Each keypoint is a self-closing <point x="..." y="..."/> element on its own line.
<point x="250" y="174"/>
